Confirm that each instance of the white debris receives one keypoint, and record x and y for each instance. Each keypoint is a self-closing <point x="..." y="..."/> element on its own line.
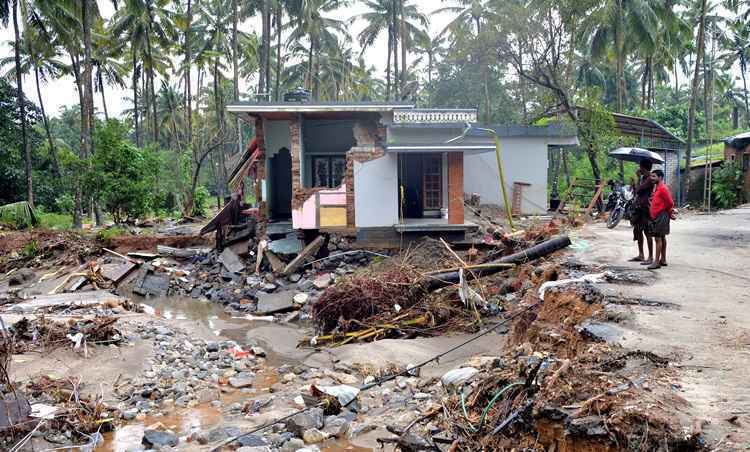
<point x="592" y="278"/>
<point x="455" y="378"/>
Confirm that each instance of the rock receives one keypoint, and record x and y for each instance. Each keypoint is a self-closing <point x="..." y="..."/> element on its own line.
<point x="301" y="298"/>
<point x="456" y="377"/>
<point x="21" y="276"/>
<point x="258" y="351"/>
<point x="323" y="281"/>
<point x="338" y="427"/>
<point x="305" y="285"/>
<point x="254" y="449"/>
<point x="130" y="414"/>
<point x="158" y="439"/>
<point x="314" y="436"/>
<point x="222" y="433"/>
<point x="289" y="377"/>
<point x="269" y="287"/>
<point x="274" y="303"/>
<point x="294" y="277"/>
<point x="600" y="332"/>
<point x="212" y="346"/>
<point x="208" y="395"/>
<point x="293" y="445"/>
<point x="242" y="380"/>
<point x="311" y="419"/>
<point x="252" y="441"/>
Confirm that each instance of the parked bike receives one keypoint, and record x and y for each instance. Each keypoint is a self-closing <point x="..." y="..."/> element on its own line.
<point x="619" y="203"/>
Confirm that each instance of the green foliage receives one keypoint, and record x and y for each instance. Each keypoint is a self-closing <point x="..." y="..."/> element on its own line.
<point x="53" y="220"/>
<point x="727" y="185"/>
<point x="18" y="215"/>
<point x="107" y="234"/>
<point x="31" y="249"/>
<point x="65" y="203"/>
<point x="121" y="176"/>
<point x="202" y="197"/>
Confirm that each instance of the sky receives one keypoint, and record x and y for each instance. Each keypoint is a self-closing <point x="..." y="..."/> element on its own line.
<point x="62" y="92"/>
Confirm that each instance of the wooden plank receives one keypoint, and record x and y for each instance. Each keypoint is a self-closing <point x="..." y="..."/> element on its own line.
<point x="596" y="196"/>
<point x="76" y="299"/>
<point x="116" y="272"/>
<point x="308" y="251"/>
<point x="277" y="265"/>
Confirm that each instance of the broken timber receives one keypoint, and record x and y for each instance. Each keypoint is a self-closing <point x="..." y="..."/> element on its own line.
<point x="308" y="251"/>
<point x="67" y="300"/>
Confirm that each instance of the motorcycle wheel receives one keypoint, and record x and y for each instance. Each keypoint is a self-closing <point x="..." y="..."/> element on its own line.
<point x="614" y="218"/>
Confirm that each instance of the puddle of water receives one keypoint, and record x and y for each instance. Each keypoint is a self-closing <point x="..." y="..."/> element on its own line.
<point x="341" y="445"/>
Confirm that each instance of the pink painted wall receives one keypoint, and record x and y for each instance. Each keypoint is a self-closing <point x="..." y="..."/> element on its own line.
<point x="307" y="216"/>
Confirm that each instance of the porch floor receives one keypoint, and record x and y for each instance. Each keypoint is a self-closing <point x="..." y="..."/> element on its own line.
<point x="431" y="224"/>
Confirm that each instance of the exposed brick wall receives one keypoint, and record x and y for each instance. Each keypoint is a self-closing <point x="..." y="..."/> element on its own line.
<point x="299" y="193"/>
<point x="455" y="188"/>
<point x="260" y="172"/>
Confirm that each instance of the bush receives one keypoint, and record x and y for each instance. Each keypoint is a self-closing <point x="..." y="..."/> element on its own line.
<point x="65" y="203"/>
<point x="200" y="204"/>
<point x="121" y="177"/>
<point x="107" y="234"/>
<point x="726" y="187"/>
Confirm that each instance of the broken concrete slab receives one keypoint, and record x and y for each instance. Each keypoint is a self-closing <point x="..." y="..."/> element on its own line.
<point x="277" y="302"/>
<point x="151" y="283"/>
<point x="115" y="272"/>
<point x="240" y="248"/>
<point x="67" y="300"/>
<point x="288" y="246"/>
<point x="601" y="332"/>
<point x="231" y="261"/>
<point x="184" y="253"/>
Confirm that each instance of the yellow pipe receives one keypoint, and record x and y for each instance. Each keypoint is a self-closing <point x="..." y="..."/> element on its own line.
<point x="504" y="191"/>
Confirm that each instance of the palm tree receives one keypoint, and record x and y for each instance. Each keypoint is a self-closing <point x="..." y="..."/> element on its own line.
<point x="622" y="26"/>
<point x="694" y="95"/>
<point x="8" y="9"/>
<point x="736" y="43"/>
<point x="41" y="58"/>
<point x="432" y="47"/>
<point x="320" y="32"/>
<point x="378" y="19"/>
<point x="109" y="70"/>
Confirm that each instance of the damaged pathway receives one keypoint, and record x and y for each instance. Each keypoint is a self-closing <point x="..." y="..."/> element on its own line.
<point x="707" y="333"/>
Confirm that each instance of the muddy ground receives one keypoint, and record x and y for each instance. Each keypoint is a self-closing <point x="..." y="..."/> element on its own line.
<point x="177" y="370"/>
<point x="704" y="325"/>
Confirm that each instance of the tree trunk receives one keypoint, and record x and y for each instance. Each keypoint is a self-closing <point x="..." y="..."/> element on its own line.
<point x="693" y="97"/>
<point x="267" y="18"/>
<point x="262" y="57"/>
<point x="222" y="173"/>
<point x="88" y="94"/>
<point x="620" y="57"/>
<point x="235" y="70"/>
<point x="743" y="71"/>
<point x="279" y="19"/>
<point x="308" y="76"/>
<point x="152" y="91"/>
<point x="188" y="87"/>
<point x="403" y="47"/>
<point x="388" y="66"/>
<point x="21" y="104"/>
<point x="78" y="206"/>
<point x="135" y="97"/>
<point x="52" y="148"/>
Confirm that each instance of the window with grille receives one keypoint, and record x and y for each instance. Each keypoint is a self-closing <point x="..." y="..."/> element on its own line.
<point x="328" y="171"/>
<point x="432" y="167"/>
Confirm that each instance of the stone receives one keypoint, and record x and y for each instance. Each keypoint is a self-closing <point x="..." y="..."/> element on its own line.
<point x="273" y="303"/>
<point x="455" y="378"/>
<point x="269" y="287"/>
<point x="294" y="277"/>
<point x="21" y="276"/>
<point x="301" y="298"/>
<point x="293" y="445"/>
<point x="310" y="419"/>
<point x="338" y="427"/>
<point x="158" y="439"/>
<point x="130" y="414"/>
<point x="305" y="285"/>
<point x="323" y="281"/>
<point x="314" y="436"/>
<point x="258" y="351"/>
<point x="252" y="441"/>
<point x="208" y="395"/>
<point x="242" y="380"/>
<point x="212" y="346"/>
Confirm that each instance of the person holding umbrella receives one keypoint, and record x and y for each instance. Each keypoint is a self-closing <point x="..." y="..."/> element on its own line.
<point x="641" y="218"/>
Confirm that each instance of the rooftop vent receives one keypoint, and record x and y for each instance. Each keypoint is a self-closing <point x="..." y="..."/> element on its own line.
<point x="298" y="95"/>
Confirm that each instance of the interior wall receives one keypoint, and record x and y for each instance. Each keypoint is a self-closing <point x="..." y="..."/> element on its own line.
<point x="376" y="192"/>
<point x="276" y="136"/>
<point x="524" y="159"/>
<point x="324" y="137"/>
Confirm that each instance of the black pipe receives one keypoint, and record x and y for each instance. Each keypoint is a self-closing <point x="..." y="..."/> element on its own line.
<point x="545" y="248"/>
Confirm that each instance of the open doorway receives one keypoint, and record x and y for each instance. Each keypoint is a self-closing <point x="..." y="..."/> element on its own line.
<point x="420" y="178"/>
<point x="281" y="195"/>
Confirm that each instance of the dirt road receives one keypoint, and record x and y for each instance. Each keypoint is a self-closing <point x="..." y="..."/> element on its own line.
<point x="708" y="331"/>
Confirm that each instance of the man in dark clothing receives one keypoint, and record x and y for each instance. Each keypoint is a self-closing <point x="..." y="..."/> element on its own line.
<point x="662" y="211"/>
<point x="640" y="216"/>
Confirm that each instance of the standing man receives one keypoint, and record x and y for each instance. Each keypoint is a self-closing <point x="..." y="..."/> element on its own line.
<point x="641" y="217"/>
<point x="661" y="213"/>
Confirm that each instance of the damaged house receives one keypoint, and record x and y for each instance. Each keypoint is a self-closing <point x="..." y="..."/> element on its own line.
<point x="379" y="171"/>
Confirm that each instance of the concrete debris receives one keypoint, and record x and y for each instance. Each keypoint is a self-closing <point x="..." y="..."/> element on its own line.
<point x="231" y="261"/>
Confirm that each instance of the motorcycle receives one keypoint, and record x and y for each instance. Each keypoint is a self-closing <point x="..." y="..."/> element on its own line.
<point x="619" y="203"/>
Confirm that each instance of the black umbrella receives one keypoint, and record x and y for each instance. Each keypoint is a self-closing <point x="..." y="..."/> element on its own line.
<point x="636" y="155"/>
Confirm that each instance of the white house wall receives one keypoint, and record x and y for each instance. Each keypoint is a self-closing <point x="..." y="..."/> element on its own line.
<point x="524" y="160"/>
<point x="376" y="192"/>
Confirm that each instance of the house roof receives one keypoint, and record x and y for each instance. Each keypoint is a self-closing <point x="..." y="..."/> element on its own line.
<point x="315" y="107"/>
<point x="651" y="135"/>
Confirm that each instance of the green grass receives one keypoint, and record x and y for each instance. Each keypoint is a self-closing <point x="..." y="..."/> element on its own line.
<point x="58" y="221"/>
<point x="105" y="235"/>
